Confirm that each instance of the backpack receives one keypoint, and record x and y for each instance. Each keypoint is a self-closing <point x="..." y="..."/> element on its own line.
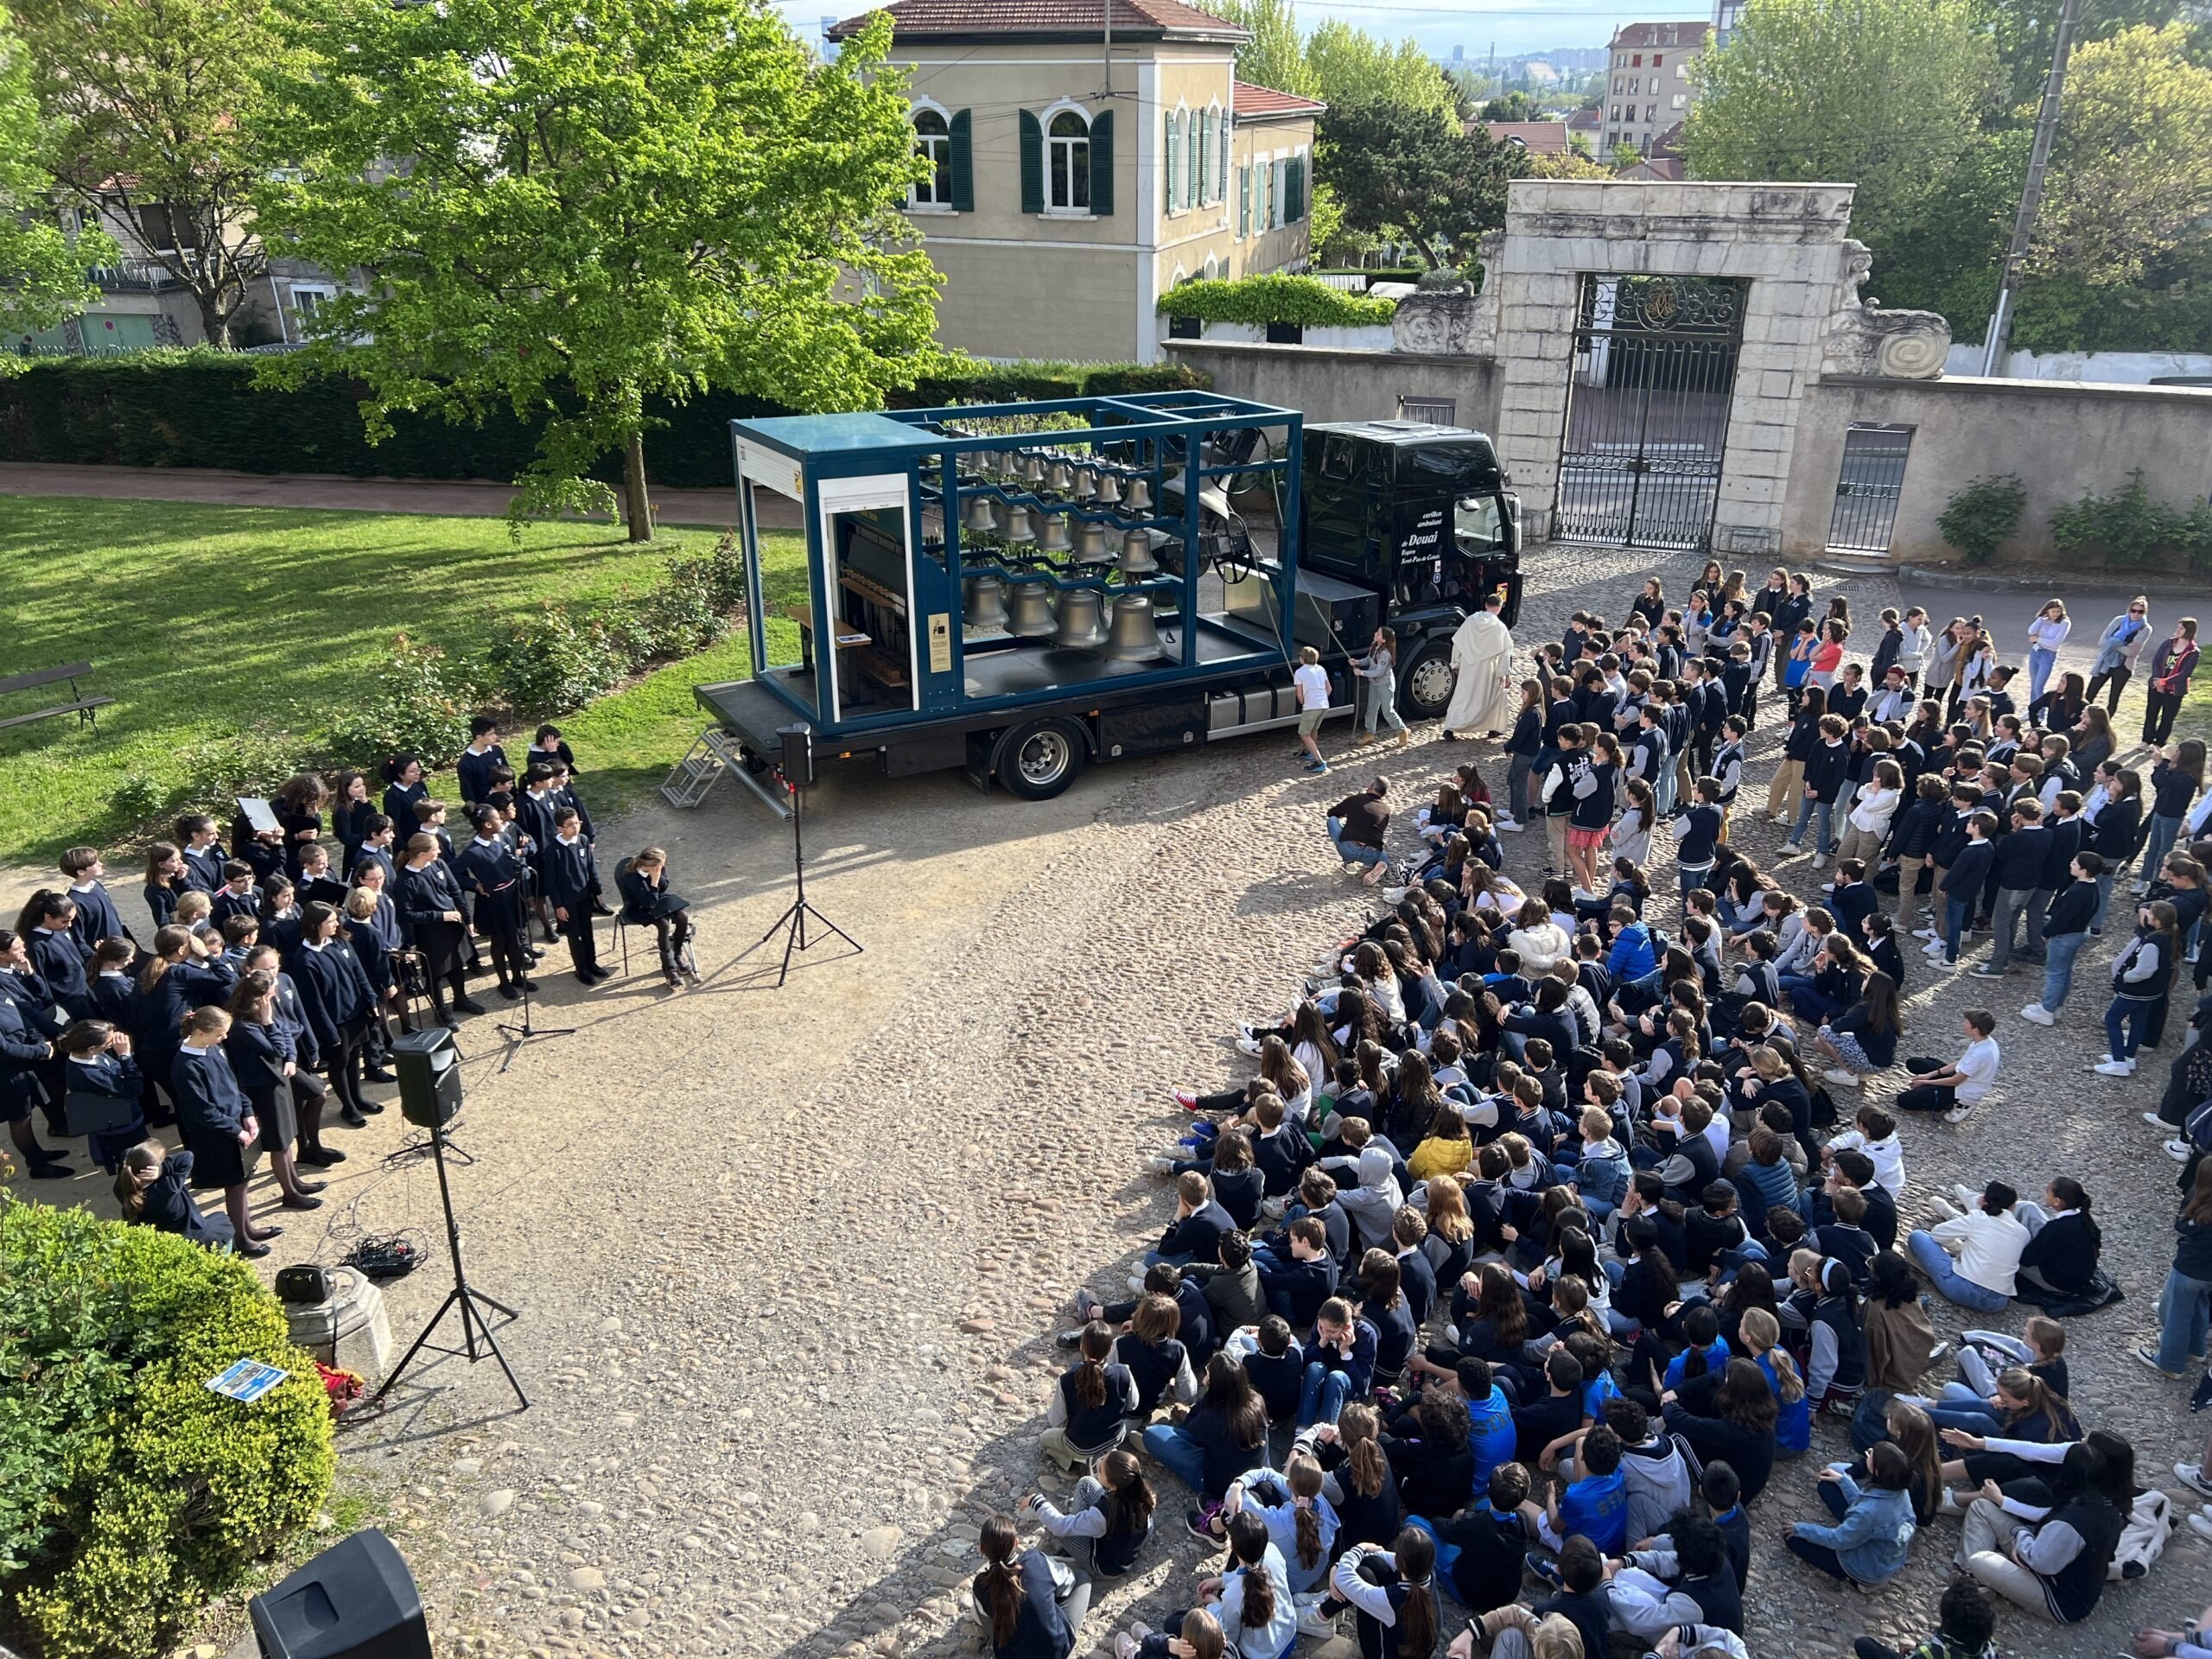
<point x="2197" y="1129"/>
<point x="2143" y="1539"/>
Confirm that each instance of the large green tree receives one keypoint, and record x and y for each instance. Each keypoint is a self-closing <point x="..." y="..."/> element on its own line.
<point x="1350" y="66"/>
<point x="599" y="203"/>
<point x="151" y="111"/>
<point x="2132" y="172"/>
<point x="1415" y="173"/>
<point x="41" y="269"/>
<point x="1883" y="94"/>
<point x="2026" y="30"/>
<point x="1276" y="55"/>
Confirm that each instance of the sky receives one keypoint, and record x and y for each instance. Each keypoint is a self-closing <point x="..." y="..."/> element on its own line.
<point x="1518" y="27"/>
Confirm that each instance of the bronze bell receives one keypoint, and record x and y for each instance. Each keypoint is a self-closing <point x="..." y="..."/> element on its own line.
<point x="975" y="515"/>
<point x="1057" y="477"/>
<point x="1133" y="637"/>
<point x="1055" y="539"/>
<point x="982" y="604"/>
<point x="1136" y="558"/>
<point x="1138" y="497"/>
<point x="1090" y="544"/>
<point x="1086" y="482"/>
<point x="1002" y="515"/>
<point x="1031" y="615"/>
<point x="1082" y="619"/>
<point x="1033" y="467"/>
<point x="1020" y="526"/>
<point x="1109" y="487"/>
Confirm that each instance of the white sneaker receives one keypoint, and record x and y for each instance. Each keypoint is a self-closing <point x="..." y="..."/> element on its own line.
<point x="1925" y="933"/>
<point x="1507" y="826"/>
<point x="2201" y="1525"/>
<point x="1958" y="1114"/>
<point x="1820" y="860"/>
<point x="2115" y="1069"/>
<point x="2192" y="1475"/>
<point x="1161" y="1166"/>
<point x="1840" y="1079"/>
<point x="1392" y="895"/>
<point x="1942" y="1205"/>
<point x="1310" y="1622"/>
<point x="2155" y="1121"/>
<point x="2036" y="1015"/>
<point x="1249" y="1046"/>
<point x="2180" y="1151"/>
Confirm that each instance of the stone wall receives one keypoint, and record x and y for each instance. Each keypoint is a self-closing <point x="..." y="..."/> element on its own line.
<point x="1790" y="240"/>
<point x="2063" y="438"/>
<point x="1334" y="385"/>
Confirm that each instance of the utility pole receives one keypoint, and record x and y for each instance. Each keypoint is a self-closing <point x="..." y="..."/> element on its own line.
<point x="2008" y="287"/>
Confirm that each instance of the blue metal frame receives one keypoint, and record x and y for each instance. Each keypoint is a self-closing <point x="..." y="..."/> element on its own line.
<point x="1170" y="427"/>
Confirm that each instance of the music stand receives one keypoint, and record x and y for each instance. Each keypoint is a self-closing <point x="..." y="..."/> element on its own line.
<point x="476" y="1327"/>
<point x="517" y="1036"/>
<point x="792" y="922"/>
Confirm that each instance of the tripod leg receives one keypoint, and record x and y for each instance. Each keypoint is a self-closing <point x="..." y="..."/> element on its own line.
<point x="493" y="1343"/>
<point x="415" y="1347"/>
<point x="834" y="928"/>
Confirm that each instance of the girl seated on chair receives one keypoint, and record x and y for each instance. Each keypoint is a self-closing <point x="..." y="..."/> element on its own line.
<point x="648" y="901"/>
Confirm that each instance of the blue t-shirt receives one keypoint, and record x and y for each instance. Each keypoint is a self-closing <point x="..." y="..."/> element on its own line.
<point x="1494" y="1436"/>
<point x="1596" y="1507"/>
<point x="1716" y="1358"/>
<point x="1598" y="1389"/>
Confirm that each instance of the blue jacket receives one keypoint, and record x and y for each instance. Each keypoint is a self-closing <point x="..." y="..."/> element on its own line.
<point x="1632" y="956"/>
<point x="1871" y="1539"/>
<point x="2022" y="858"/>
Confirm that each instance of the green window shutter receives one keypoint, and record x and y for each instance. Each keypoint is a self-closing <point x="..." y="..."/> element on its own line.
<point x="1033" y="164"/>
<point x="1101" y="165"/>
<point x="1295" y="190"/>
<point x="1167" y="153"/>
<point x="963" y="163"/>
<point x="1243" y="201"/>
<point x="1191" y="162"/>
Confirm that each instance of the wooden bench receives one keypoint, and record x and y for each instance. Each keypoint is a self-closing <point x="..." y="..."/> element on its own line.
<point x="79" y="704"/>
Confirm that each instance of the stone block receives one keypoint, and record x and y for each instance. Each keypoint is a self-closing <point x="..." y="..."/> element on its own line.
<point x="1777" y="383"/>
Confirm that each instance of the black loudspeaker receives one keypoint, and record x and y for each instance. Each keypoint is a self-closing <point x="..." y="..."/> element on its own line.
<point x="356" y="1600"/>
<point x="799" y="755"/>
<point x="429" y="1068"/>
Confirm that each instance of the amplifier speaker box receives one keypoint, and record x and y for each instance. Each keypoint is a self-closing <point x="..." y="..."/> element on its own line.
<point x="429" y="1068"/>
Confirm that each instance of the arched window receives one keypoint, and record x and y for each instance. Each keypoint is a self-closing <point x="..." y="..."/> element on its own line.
<point x="1213" y="267"/>
<point x="1067" y="142"/>
<point x="933" y="141"/>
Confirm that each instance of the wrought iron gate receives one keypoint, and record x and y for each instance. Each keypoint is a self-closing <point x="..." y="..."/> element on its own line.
<point x="1647" y="409"/>
<point x="1868" y="488"/>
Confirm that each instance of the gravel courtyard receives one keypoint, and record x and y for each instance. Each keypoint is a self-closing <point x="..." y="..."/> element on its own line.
<point x="790" y="1263"/>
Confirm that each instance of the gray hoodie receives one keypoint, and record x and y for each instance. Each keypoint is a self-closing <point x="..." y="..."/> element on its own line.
<point x="1374" y="1203"/>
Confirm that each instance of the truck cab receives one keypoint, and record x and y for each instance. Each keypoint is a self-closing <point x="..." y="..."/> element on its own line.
<point x="1408" y="523"/>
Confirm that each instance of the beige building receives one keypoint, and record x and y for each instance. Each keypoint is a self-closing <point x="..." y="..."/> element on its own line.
<point x="1082" y="165"/>
<point x="1648" y="85"/>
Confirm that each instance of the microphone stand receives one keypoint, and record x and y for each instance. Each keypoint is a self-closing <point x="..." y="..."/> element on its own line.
<point x="517" y="1036"/>
<point x="792" y="921"/>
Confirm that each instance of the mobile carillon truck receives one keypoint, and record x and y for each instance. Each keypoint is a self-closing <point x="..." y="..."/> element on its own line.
<point x="1021" y="589"/>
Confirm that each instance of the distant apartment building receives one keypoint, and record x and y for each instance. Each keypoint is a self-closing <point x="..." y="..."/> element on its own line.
<point x="1648" y="86"/>
<point x="1079" y="171"/>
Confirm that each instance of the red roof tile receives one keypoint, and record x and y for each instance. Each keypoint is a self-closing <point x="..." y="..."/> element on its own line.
<point x="1037" y="19"/>
<point x="1265" y="100"/>
<point x="1537" y="137"/>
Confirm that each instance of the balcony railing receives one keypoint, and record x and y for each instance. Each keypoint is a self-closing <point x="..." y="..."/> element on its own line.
<point x="132" y="276"/>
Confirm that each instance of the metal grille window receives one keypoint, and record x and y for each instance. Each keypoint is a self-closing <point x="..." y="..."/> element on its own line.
<point x="1443" y="411"/>
<point x="1649" y="387"/>
<point x="1868" y="485"/>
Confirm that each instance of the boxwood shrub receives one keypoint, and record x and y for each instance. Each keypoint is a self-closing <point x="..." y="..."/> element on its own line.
<point x="129" y="1494"/>
<point x="1276" y="298"/>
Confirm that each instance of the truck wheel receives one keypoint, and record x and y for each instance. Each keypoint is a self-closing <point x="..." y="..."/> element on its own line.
<point x="1425" y="691"/>
<point x="1037" y="761"/>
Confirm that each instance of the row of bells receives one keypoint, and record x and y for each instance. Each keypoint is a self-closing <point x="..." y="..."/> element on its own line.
<point x="1014" y="523"/>
<point x="1097" y="483"/>
<point x="1078" y="620"/>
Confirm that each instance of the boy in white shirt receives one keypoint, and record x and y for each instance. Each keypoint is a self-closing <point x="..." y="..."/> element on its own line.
<point x="1954" y="1089"/>
<point x="1312" y="683"/>
<point x="1877" y="1136"/>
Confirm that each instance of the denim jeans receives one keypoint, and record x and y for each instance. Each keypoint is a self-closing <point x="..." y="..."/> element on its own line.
<point x="1932" y="1259"/>
<point x="2104" y="896"/>
<point x="1321" y="1397"/>
<point x="1177" y="1451"/>
<point x="1352" y="852"/>
<point x="1517" y="786"/>
<point x="2058" y="968"/>
<point x="1382" y="706"/>
<point x="1806" y="809"/>
<point x="2040" y="662"/>
<point x="1807" y="1001"/>
<point x="1957" y="913"/>
<point x="2158" y="842"/>
<point x="2183" y="1310"/>
<point x="2125" y="1019"/>
<point x="1693" y="880"/>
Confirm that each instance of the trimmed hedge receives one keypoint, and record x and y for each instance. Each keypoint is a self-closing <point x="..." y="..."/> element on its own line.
<point x="202" y="407"/>
<point x="1276" y="298"/>
<point x="129" y="1494"/>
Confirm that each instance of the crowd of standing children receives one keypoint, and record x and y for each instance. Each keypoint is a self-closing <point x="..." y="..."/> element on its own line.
<point x="1544" y="1236"/>
<point x="275" y="975"/>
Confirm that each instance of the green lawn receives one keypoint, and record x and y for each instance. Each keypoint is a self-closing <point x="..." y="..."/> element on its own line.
<point x="203" y="620"/>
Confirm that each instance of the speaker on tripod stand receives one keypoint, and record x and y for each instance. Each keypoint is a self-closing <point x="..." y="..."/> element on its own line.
<point x="797" y="760"/>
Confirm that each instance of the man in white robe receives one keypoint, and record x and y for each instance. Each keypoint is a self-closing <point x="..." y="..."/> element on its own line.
<point x="1482" y="694"/>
